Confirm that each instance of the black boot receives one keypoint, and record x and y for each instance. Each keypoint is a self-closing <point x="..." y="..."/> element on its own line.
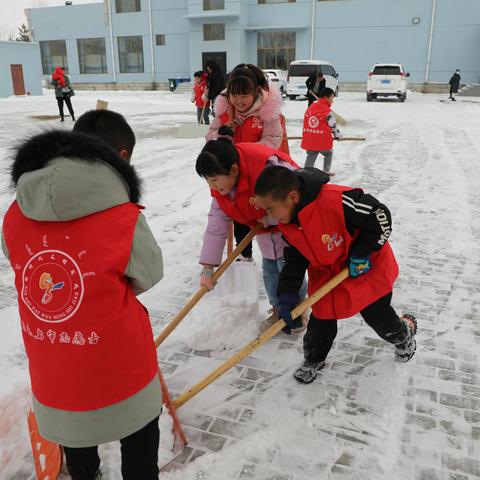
<point x="406" y="350"/>
<point x="307" y="372"/>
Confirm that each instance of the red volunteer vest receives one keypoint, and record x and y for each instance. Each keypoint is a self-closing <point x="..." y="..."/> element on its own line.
<point x="317" y="135"/>
<point x="199" y="90"/>
<point x="324" y="240"/>
<point x="88" y="339"/>
<point x="253" y="159"/>
<point x="251" y="130"/>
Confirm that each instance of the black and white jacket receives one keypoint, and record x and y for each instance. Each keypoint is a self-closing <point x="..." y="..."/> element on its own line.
<point x="362" y="212"/>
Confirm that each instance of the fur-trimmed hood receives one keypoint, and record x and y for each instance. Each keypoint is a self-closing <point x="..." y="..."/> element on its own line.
<point x="269" y="109"/>
<point x="61" y="176"/>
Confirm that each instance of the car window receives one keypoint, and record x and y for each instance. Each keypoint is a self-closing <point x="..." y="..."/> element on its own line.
<point x="327" y="70"/>
<point x="302" y="70"/>
<point x="386" y="70"/>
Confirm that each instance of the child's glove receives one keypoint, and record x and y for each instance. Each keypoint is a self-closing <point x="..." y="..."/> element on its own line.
<point x="286" y="303"/>
<point x="206" y="279"/>
<point x="358" y="265"/>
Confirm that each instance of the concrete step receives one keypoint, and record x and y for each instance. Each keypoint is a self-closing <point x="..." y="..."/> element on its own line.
<point x="184" y="87"/>
<point x="472" y="90"/>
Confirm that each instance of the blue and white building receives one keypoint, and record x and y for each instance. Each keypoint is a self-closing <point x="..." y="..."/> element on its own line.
<point x="143" y="42"/>
<point x="20" y="69"/>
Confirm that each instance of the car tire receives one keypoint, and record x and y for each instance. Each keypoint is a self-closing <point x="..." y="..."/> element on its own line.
<point x="369" y="97"/>
<point x="402" y="98"/>
<point x="336" y="92"/>
<point x="292" y="97"/>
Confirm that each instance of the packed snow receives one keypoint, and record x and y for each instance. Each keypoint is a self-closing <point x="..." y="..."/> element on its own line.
<point x="365" y="417"/>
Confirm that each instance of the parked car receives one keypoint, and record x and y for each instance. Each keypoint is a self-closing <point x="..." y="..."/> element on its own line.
<point x="278" y="77"/>
<point x="300" y="70"/>
<point x="386" y="80"/>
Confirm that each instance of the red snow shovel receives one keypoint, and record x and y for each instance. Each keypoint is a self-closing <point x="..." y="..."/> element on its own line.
<point x="240" y="355"/>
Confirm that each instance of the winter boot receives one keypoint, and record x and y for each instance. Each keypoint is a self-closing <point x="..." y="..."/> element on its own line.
<point x="406" y="350"/>
<point x="271" y="320"/>
<point x="307" y="372"/>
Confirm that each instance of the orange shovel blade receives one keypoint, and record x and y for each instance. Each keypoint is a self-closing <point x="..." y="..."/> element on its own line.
<point x="179" y="438"/>
<point x="47" y="455"/>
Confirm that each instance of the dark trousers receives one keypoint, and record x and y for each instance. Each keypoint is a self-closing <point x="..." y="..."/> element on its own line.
<point x="379" y="315"/>
<point x="206" y="113"/>
<point x="66" y="99"/>
<point x="139" y="456"/>
<point x="310" y="99"/>
<point x="240" y="232"/>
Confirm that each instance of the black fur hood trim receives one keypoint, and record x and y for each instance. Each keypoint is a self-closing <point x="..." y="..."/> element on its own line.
<point x="35" y="153"/>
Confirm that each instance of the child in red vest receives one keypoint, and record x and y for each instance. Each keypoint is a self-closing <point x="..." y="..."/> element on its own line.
<point x="230" y="171"/>
<point x="251" y="107"/>
<point x="198" y="97"/>
<point x="81" y="254"/>
<point x="319" y="130"/>
<point x="329" y="227"/>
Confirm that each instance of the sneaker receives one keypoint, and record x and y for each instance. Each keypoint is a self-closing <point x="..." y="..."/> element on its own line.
<point x="406" y="350"/>
<point x="241" y="258"/>
<point x="271" y="320"/>
<point x="307" y="372"/>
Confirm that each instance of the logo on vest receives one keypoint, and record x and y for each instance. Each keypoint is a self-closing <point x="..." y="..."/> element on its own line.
<point x="332" y="241"/>
<point x="313" y="122"/>
<point x="52" y="286"/>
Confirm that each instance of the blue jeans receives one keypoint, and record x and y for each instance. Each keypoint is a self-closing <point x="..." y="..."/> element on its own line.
<point x="271" y="271"/>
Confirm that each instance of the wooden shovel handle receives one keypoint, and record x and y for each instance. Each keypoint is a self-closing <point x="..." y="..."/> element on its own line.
<point x="259" y="341"/>
<point x="344" y="139"/>
<point x="203" y="290"/>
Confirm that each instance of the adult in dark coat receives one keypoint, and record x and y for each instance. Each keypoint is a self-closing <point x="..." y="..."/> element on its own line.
<point x="215" y="81"/>
<point x="454" y="84"/>
<point x="315" y="84"/>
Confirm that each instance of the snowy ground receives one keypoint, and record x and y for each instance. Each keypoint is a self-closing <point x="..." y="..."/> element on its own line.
<point x="365" y="417"/>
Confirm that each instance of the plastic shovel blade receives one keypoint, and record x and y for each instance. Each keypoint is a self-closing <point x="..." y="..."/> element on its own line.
<point x="192" y="130"/>
<point x="47" y="456"/>
<point x="179" y="438"/>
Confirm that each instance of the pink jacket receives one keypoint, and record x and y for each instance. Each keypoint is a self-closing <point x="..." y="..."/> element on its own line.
<point x="267" y="108"/>
<point x="271" y="244"/>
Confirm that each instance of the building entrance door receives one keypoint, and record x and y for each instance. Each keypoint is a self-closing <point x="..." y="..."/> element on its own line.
<point x="17" y="79"/>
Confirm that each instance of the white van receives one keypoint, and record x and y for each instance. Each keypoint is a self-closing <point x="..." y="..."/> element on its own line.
<point x="300" y="70"/>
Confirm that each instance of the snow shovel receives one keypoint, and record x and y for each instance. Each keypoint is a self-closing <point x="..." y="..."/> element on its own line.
<point x="260" y="340"/>
<point x="101" y="105"/>
<point x="203" y="290"/>
<point x="193" y="130"/>
<point x="239" y="356"/>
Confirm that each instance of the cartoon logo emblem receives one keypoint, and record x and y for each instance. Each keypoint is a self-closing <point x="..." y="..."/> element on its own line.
<point x="313" y="122"/>
<point x="47" y="284"/>
<point x="332" y="241"/>
<point x="52" y="286"/>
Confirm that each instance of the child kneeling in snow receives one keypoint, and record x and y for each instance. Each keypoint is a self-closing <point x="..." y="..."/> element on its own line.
<point x="319" y="130"/>
<point x="81" y="252"/>
<point x="231" y="171"/>
<point x="329" y="227"/>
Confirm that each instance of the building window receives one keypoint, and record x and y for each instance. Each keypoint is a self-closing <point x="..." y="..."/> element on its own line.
<point x="125" y="6"/>
<point x="160" y="39"/>
<point x="275" y="49"/>
<point x="214" y="4"/>
<point x="130" y="52"/>
<point x="92" y="55"/>
<point x="54" y="54"/>
<point x="213" y="31"/>
<point x="262" y="2"/>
